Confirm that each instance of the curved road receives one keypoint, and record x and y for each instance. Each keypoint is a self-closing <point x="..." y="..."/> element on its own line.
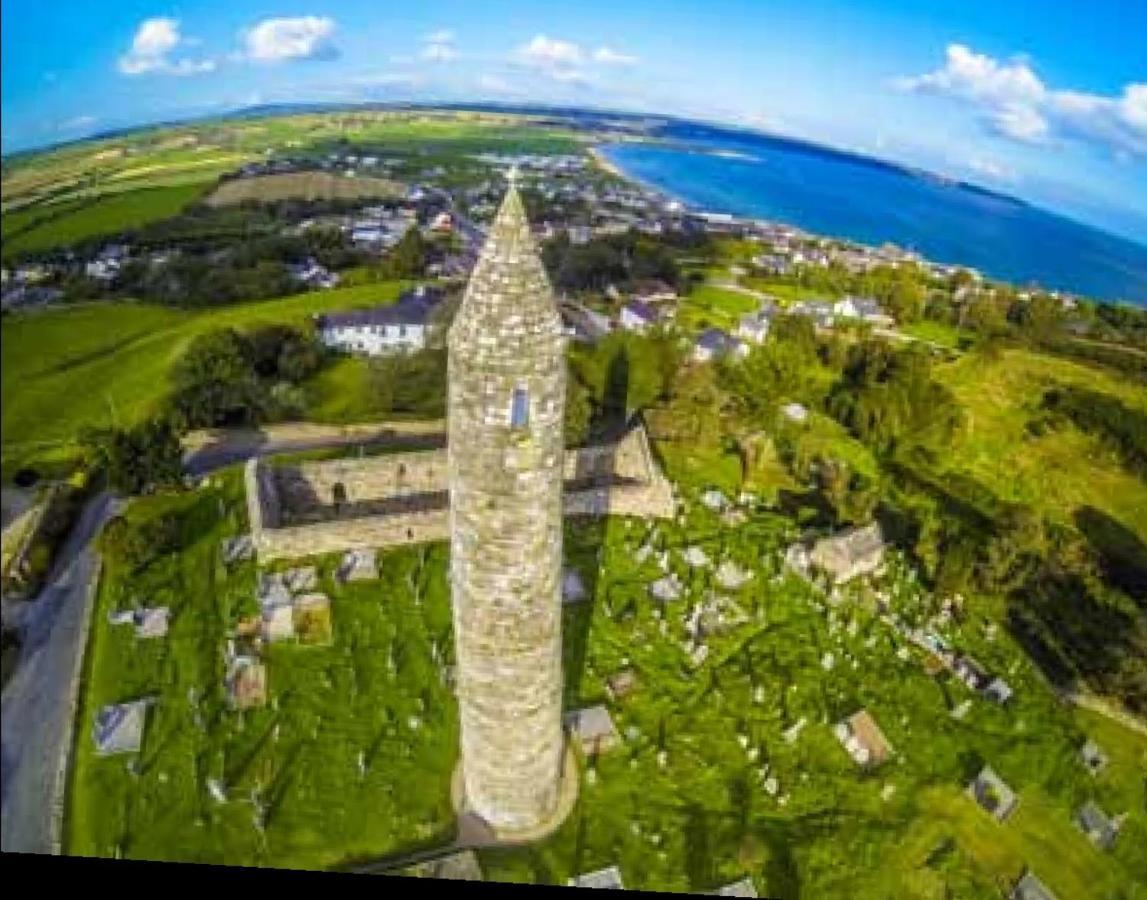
<point x="38" y="710"/>
<point x="39" y="702"/>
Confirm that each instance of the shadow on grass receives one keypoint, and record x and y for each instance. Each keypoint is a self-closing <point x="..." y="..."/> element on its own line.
<point x="1122" y="554"/>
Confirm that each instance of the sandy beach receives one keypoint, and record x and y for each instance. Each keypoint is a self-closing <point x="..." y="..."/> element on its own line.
<point x="605" y="164"/>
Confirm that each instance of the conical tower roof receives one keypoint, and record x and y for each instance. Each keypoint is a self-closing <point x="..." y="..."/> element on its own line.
<point x="508" y="289"/>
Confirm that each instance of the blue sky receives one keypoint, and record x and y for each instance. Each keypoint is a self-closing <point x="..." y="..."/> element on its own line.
<point x="1046" y="100"/>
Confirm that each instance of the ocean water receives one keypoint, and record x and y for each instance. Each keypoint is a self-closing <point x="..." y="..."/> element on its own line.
<point x="833" y="194"/>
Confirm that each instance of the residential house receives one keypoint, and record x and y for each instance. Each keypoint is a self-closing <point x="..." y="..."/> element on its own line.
<point x="754" y="327"/>
<point x="401" y="327"/>
<point x="713" y="343"/>
<point x="820" y="311"/>
<point x="654" y="291"/>
<point x="637" y="316"/>
<point x="312" y="274"/>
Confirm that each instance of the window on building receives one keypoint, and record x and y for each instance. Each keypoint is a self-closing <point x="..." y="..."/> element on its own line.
<point x="520" y="408"/>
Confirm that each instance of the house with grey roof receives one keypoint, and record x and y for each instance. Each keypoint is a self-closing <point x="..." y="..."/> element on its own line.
<point x="713" y="343"/>
<point x="754" y="327"/>
<point x="401" y="327"/>
<point x="637" y="315"/>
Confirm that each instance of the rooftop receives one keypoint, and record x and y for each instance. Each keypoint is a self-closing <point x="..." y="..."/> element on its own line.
<point x="412" y="308"/>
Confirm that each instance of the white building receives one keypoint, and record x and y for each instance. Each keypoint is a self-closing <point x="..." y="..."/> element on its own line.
<point x="400" y="328"/>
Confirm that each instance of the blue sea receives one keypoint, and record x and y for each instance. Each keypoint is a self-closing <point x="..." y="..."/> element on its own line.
<point x="871" y="202"/>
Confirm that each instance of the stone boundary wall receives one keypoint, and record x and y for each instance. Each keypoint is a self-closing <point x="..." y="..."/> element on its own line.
<point x="292" y="512"/>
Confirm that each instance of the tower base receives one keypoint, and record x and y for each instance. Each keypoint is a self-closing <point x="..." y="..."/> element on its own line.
<point x="493" y="836"/>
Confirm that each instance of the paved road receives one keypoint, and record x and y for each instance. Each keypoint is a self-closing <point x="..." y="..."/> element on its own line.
<point x="38" y="709"/>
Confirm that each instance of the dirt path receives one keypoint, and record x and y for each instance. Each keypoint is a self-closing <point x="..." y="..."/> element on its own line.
<point x="208" y="450"/>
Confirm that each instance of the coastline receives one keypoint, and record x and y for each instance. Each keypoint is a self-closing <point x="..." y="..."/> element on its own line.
<point x="603" y="162"/>
<point x="988" y="272"/>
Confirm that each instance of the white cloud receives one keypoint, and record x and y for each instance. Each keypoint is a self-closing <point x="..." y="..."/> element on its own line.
<point x="151" y="48"/>
<point x="1020" y="122"/>
<point x="301" y="37"/>
<point x="609" y="57"/>
<point x="976" y="76"/>
<point x="566" y="61"/>
<point x="547" y="52"/>
<point x="1016" y="103"/>
<point x="439" y="47"/>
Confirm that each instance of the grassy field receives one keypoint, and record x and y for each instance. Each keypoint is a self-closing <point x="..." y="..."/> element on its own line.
<point x="1056" y="472"/>
<point x="704" y="817"/>
<point x="709" y="306"/>
<point x="935" y="333"/>
<point x="105" y="362"/>
<point x="341" y="392"/>
<point x="302" y="185"/>
<point x="60" y="225"/>
<point x="201" y="151"/>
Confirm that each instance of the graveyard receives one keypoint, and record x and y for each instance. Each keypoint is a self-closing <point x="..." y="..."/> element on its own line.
<point x="707" y="727"/>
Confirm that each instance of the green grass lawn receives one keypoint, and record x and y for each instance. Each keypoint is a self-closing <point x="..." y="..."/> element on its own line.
<point x="935" y="333"/>
<point x="46" y="227"/>
<point x="294" y="765"/>
<point x="700" y="820"/>
<point x="67" y="368"/>
<point x="709" y="306"/>
<point x="341" y="392"/>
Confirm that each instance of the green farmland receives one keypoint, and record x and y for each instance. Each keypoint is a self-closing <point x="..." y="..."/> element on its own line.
<point x="62" y="224"/>
<point x="108" y="362"/>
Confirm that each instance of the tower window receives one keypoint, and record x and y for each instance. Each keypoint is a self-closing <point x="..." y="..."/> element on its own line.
<point x="520" y="408"/>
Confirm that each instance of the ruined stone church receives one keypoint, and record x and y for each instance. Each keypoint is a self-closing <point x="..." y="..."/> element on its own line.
<point x="498" y="493"/>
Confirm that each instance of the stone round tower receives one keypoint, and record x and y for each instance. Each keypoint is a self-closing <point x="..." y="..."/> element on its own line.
<point x="506" y="401"/>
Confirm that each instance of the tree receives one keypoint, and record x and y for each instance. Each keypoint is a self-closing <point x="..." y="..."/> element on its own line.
<point x="578" y="412"/>
<point x="214" y="382"/>
<point x="138" y="459"/>
<point x="408" y="257"/>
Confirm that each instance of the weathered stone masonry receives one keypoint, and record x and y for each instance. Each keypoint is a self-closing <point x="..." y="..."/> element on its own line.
<point x="498" y="492"/>
<point x="402" y="498"/>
